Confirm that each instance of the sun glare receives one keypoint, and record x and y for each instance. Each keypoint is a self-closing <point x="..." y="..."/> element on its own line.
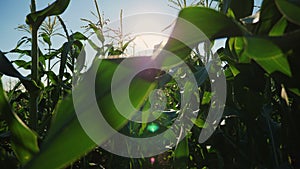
<point x="148" y="31"/>
<point x="147" y="44"/>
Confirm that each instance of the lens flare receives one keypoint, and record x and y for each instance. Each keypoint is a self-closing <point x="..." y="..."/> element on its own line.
<point x="153" y="127"/>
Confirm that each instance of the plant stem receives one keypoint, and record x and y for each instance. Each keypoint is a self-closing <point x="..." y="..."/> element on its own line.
<point x="33" y="6"/>
<point x="34" y="95"/>
<point x="48" y="83"/>
<point x="62" y="69"/>
<point x="34" y="55"/>
<point x="121" y="29"/>
<point x="98" y="12"/>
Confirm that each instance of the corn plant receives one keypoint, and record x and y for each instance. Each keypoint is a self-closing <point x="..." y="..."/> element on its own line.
<point x="259" y="125"/>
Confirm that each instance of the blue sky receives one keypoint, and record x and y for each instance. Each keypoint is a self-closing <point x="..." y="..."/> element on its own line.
<point x="13" y="13"/>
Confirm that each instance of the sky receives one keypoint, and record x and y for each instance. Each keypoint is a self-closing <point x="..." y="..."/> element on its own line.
<point x="13" y="13"/>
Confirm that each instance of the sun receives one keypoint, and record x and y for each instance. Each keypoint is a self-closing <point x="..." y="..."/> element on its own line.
<point x="145" y="31"/>
<point x="147" y="43"/>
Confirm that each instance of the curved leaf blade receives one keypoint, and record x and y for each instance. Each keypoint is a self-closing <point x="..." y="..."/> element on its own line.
<point x="212" y="23"/>
<point x="269" y="16"/>
<point x="46" y="38"/>
<point x="66" y="133"/>
<point x="267" y="54"/>
<point x="24" y="141"/>
<point x="279" y="28"/>
<point x="181" y="154"/>
<point x="98" y="32"/>
<point x="7" y="68"/>
<point x="78" y="36"/>
<point x="56" y="8"/>
<point x="291" y="11"/>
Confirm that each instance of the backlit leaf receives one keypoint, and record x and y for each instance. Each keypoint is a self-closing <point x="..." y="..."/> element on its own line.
<point x="279" y="28"/>
<point x="66" y="133"/>
<point x="291" y="11"/>
<point x="24" y="141"/>
<point x="213" y="24"/>
<point x="267" y="55"/>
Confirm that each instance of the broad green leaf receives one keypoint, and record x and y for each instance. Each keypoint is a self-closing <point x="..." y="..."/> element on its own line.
<point x="65" y="142"/>
<point x="213" y="24"/>
<point x="291" y="11"/>
<point x="228" y="53"/>
<point x="64" y="56"/>
<point x="98" y="32"/>
<point x="46" y="38"/>
<point x="24" y="141"/>
<point x="279" y="28"/>
<point x="182" y="154"/>
<point x="143" y="82"/>
<point x="78" y="36"/>
<point x="199" y="122"/>
<point x="206" y="98"/>
<point x="236" y="46"/>
<point x="267" y="55"/>
<point x="53" y="78"/>
<point x="295" y="91"/>
<point x="269" y="16"/>
<point x="22" y="52"/>
<point x="56" y="8"/>
<point x="126" y="44"/>
<point x="67" y="135"/>
<point x="23" y="64"/>
<point x="234" y="70"/>
<point x="8" y="69"/>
